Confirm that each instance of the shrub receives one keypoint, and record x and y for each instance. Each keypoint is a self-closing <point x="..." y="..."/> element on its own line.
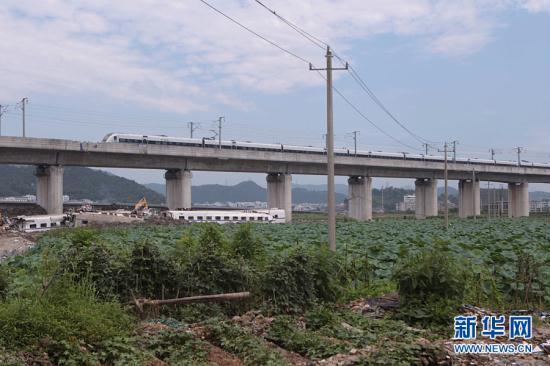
<point x="66" y="311"/>
<point x="245" y="245"/>
<point x="150" y="274"/>
<point x="207" y="272"/>
<point x="93" y="261"/>
<point x="302" y="277"/>
<point x="431" y="285"/>
<point x="4" y="282"/>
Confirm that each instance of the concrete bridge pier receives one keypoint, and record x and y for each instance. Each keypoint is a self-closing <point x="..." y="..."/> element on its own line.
<point x="360" y="198"/>
<point x="178" y="189"/>
<point x="49" y="188"/>
<point x="518" y="199"/>
<point x="426" y="197"/>
<point x="279" y="193"/>
<point x="469" y="199"/>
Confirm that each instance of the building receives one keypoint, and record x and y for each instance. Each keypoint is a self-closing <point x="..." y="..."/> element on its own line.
<point x="408" y="203"/>
<point x="539" y="206"/>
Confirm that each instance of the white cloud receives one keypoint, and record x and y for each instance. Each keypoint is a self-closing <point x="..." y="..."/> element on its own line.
<point x="181" y="56"/>
<point x="536" y="6"/>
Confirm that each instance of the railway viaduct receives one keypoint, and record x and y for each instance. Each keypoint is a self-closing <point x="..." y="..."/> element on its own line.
<point x="51" y="155"/>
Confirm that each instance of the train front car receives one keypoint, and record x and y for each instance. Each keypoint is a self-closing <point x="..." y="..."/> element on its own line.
<point x="110" y="137"/>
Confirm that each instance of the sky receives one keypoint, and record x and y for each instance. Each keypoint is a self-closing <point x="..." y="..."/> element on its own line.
<point x="473" y="71"/>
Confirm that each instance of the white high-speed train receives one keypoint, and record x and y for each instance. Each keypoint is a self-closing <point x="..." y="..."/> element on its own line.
<point x="248" y="145"/>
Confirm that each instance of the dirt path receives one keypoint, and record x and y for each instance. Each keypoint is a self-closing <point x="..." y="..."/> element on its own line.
<point x="13" y="244"/>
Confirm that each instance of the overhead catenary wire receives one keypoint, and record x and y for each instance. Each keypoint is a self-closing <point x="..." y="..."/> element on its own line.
<point x="353" y="73"/>
<point x="312" y="39"/>
<point x="356" y="109"/>
<point x="287" y="51"/>
<point x="316" y="41"/>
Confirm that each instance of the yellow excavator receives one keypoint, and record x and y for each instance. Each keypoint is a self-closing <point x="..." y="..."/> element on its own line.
<point x="141" y="206"/>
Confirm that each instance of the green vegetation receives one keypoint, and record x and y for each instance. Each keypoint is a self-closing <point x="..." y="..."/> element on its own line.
<point x="78" y="183"/>
<point x="251" y="349"/>
<point x="67" y="300"/>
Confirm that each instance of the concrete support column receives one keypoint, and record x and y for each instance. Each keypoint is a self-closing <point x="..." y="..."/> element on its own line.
<point x="49" y="188"/>
<point x="360" y="198"/>
<point x="178" y="189"/>
<point x="518" y="199"/>
<point x="426" y="198"/>
<point x="468" y="198"/>
<point x="279" y="193"/>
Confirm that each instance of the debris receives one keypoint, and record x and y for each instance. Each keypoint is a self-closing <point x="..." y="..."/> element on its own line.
<point x="255" y="321"/>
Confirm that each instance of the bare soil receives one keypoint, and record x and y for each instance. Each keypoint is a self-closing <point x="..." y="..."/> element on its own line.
<point x="14" y="243"/>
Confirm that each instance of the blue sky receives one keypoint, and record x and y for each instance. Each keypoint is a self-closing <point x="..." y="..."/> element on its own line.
<point x="473" y="71"/>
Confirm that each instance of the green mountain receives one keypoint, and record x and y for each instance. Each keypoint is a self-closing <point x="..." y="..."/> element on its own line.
<point x="78" y="183"/>
<point x="247" y="191"/>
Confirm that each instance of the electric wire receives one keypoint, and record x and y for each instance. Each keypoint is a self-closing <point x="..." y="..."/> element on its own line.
<point x="316" y="41"/>
<point x="255" y="33"/>
<point x="312" y="39"/>
<point x="353" y="73"/>
<point x="356" y="109"/>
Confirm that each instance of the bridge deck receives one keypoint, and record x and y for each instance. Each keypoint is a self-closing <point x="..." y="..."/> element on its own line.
<point x="35" y="151"/>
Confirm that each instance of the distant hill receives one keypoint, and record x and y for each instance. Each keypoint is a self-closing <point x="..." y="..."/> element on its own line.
<point x="247" y="191"/>
<point x="539" y="196"/>
<point x="338" y="188"/>
<point x="78" y="183"/>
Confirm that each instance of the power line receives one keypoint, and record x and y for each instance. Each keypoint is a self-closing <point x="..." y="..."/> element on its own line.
<point x="300" y="58"/>
<point x="316" y="41"/>
<point x="367" y="118"/>
<point x="354" y="74"/>
<point x="255" y="33"/>
<point x="375" y="99"/>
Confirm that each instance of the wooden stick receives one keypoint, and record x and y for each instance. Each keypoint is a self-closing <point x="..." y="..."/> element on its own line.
<point x="192" y="299"/>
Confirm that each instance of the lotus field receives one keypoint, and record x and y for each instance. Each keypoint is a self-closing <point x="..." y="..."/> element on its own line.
<point x="386" y="297"/>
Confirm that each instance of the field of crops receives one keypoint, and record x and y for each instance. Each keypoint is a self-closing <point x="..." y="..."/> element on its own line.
<point x="69" y="299"/>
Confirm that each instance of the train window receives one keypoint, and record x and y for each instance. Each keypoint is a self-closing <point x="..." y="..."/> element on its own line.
<point x="275" y="216"/>
<point x="181" y="217"/>
<point x="235" y="217"/>
<point x="84" y="222"/>
<point x="53" y="224"/>
<point x="43" y="224"/>
<point x="209" y="217"/>
<point x="32" y="226"/>
<point x="251" y="218"/>
<point x="191" y="218"/>
<point x="218" y="218"/>
<point x="226" y="217"/>
<point x="243" y="218"/>
<point x="199" y="218"/>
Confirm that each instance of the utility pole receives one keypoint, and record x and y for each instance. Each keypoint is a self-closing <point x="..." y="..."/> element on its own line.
<point x="474" y="191"/>
<point x="445" y="174"/>
<point x="3" y="109"/>
<point x="519" y="150"/>
<point x="492" y="151"/>
<point x="355" y="141"/>
<point x="331" y="199"/>
<point x="454" y="150"/>
<point x="24" y="101"/>
<point x="425" y="145"/>
<point x="489" y="199"/>
<point x="220" y="132"/>
<point x="192" y="127"/>
<point x="382" y="198"/>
